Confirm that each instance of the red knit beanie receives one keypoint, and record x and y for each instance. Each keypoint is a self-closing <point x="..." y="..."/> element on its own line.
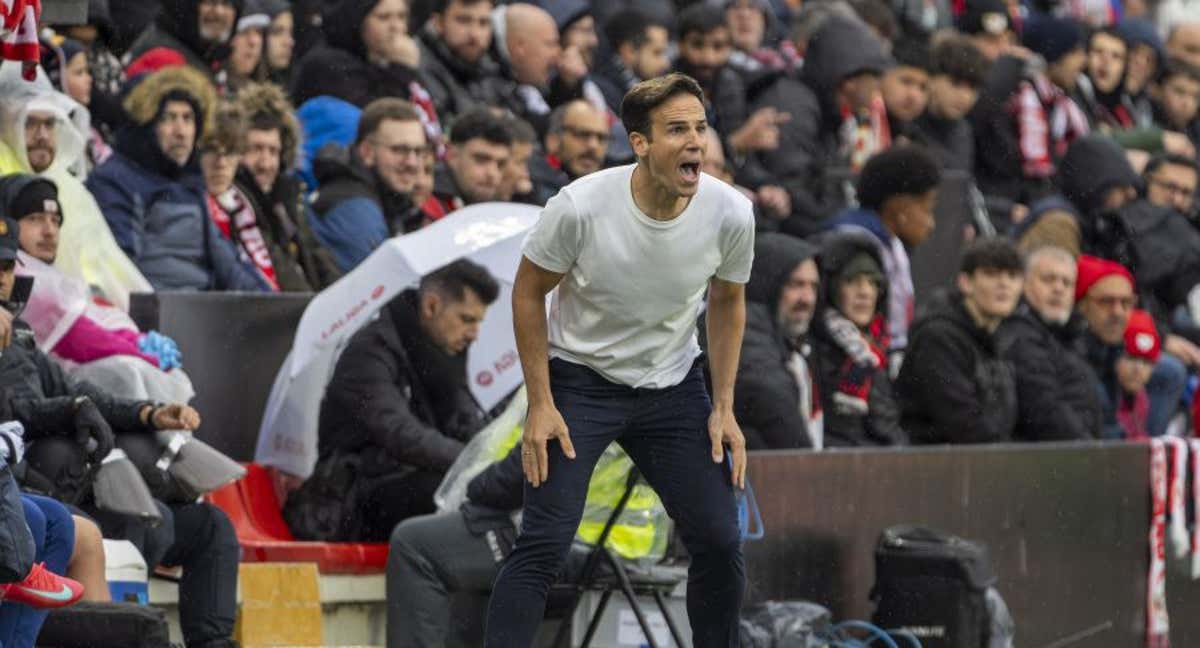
<point x="1093" y="269"/>
<point x="1141" y="337"/>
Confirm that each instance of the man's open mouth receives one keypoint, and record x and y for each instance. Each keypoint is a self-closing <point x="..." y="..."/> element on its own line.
<point x="689" y="172"/>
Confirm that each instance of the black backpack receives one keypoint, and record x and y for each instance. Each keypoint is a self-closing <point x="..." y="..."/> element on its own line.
<point x="933" y="585"/>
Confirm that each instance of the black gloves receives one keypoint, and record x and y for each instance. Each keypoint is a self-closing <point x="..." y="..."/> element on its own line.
<point x="91" y="430"/>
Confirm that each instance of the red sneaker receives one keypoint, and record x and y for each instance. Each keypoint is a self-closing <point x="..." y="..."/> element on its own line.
<point x="43" y="589"/>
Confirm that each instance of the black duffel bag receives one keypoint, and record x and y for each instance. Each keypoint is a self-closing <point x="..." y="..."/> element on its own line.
<point x="936" y="586"/>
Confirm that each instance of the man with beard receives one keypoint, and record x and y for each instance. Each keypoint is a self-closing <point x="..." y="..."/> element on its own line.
<point x="40" y="137"/>
<point x="152" y="192"/>
<point x="199" y="30"/>
<point x="272" y="136"/>
<point x="576" y="143"/>
<point x="1056" y="394"/>
<point x="397" y="411"/>
<point x="475" y="162"/>
<point x="775" y="397"/>
<point x="365" y="192"/>
<point x="705" y="45"/>
<point x="639" y="45"/>
<point x="454" y="56"/>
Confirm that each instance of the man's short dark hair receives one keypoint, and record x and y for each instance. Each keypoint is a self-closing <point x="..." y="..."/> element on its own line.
<point x="439" y="6"/>
<point x="1177" y="67"/>
<point x="1106" y="31"/>
<point x="701" y="18"/>
<point x="900" y="170"/>
<point x="958" y="58"/>
<point x="630" y="26"/>
<point x="913" y="53"/>
<point x="451" y="280"/>
<point x="877" y="15"/>
<point x="381" y="110"/>
<point x="644" y="97"/>
<point x="995" y="253"/>
<point x="480" y="123"/>
<point x="522" y="132"/>
<point x="1164" y="159"/>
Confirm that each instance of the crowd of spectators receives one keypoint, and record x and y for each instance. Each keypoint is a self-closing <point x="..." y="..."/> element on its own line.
<point x="273" y="145"/>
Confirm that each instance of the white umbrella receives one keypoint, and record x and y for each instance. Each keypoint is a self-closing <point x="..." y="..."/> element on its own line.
<point x="489" y="234"/>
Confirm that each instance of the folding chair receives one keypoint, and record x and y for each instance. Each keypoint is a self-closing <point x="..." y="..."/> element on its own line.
<point x="656" y="582"/>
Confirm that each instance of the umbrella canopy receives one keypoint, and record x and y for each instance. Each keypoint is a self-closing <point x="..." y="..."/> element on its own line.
<point x="489" y="234"/>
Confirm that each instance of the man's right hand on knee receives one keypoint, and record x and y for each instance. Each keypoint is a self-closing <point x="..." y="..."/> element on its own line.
<point x="543" y="423"/>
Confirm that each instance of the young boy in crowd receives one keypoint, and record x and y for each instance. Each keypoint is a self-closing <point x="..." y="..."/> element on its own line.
<point x="906" y="85"/>
<point x="958" y="69"/>
<point x="1142" y="347"/>
<point x="1176" y="99"/>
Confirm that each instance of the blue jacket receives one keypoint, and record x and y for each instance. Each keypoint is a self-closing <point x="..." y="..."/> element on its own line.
<point x="352" y="212"/>
<point x="164" y="227"/>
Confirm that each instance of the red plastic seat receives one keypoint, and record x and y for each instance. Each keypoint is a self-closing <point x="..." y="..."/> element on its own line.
<point x="253" y="509"/>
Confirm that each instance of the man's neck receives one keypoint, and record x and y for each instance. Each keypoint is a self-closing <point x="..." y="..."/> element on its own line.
<point x="656" y="201"/>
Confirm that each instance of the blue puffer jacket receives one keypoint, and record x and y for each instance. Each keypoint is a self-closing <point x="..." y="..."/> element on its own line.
<point x="164" y="226"/>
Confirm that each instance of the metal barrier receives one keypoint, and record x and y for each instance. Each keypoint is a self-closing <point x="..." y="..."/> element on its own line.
<point x="233" y="345"/>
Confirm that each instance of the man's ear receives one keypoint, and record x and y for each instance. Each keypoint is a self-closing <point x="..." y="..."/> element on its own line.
<point x="964" y="283"/>
<point x="553" y="141"/>
<point x="640" y="144"/>
<point x="366" y="152"/>
<point x="431" y="303"/>
<point x="627" y="53"/>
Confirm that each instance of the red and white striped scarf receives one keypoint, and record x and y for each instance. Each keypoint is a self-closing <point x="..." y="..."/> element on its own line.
<point x="1047" y="122"/>
<point x="19" y="34"/>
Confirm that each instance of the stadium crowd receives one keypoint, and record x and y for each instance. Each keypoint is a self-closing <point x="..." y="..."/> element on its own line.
<point x="272" y="146"/>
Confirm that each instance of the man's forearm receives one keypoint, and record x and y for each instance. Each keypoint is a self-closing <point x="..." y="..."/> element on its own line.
<point x="726" y="321"/>
<point x="529" y="322"/>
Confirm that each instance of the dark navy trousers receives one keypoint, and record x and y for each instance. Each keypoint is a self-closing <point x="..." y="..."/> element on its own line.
<point x="665" y="433"/>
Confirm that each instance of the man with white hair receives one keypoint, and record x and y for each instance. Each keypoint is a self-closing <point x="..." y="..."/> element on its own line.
<point x="1056" y="395"/>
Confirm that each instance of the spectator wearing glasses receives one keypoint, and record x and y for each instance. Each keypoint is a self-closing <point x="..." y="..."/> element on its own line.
<point x="1104" y="295"/>
<point x="365" y="194"/>
<point x="576" y="143"/>
<point x="1170" y="181"/>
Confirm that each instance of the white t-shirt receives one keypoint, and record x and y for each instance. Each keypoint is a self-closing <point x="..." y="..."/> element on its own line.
<point x="633" y="286"/>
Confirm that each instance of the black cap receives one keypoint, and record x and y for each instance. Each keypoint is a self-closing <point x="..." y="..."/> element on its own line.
<point x="985" y="17"/>
<point x="10" y="239"/>
<point x="37" y="196"/>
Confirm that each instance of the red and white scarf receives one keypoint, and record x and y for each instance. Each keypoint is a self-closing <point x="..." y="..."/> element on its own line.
<point x="19" y="34"/>
<point x="1047" y="122"/>
<point x="231" y="211"/>
<point x="1158" y="626"/>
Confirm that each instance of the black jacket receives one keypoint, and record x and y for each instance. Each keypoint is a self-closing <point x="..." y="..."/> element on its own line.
<point x="1056" y="388"/>
<point x="301" y="263"/>
<point x="454" y="85"/>
<point x="881" y="424"/>
<point x="38" y="393"/>
<point x="809" y="143"/>
<point x="339" y="67"/>
<point x="1102" y="358"/>
<point x="396" y="399"/>
<point x="766" y="394"/>
<point x="954" y="387"/>
<point x="999" y="173"/>
<point x="952" y="141"/>
<point x="1165" y="252"/>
